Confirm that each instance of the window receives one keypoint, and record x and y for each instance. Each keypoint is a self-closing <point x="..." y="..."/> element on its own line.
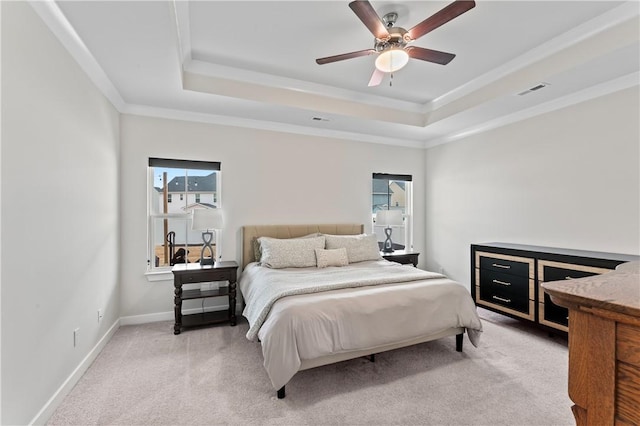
<point x="171" y="239"/>
<point x="393" y="192"/>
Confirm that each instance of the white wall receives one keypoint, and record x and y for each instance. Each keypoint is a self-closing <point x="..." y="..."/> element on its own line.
<point x="267" y="178"/>
<point x="569" y="178"/>
<point x="60" y="228"/>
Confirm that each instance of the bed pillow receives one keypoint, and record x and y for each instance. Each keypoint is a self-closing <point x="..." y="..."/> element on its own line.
<point x="257" y="251"/>
<point x="333" y="257"/>
<point x="289" y="253"/>
<point x="359" y="247"/>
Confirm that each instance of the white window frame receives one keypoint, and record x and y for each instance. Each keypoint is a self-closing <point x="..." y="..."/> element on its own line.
<point x="408" y="214"/>
<point x="154" y="273"/>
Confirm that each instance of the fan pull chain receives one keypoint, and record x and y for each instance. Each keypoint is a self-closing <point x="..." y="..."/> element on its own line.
<point x="391" y="80"/>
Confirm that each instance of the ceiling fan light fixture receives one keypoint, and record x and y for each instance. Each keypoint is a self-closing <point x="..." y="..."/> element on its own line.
<point x="392" y="60"/>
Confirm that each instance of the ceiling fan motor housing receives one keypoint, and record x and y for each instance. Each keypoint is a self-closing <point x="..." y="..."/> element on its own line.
<point x="398" y="39"/>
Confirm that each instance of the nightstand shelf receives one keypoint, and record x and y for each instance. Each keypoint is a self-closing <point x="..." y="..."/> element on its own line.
<point x="201" y="294"/>
<point x="190" y="273"/>
<point x="204" y="318"/>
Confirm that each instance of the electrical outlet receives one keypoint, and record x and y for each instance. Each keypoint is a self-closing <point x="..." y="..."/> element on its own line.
<point x="76" y="337"/>
<point x="100" y="315"/>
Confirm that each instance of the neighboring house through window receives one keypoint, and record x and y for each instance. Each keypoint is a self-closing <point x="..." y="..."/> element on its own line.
<point x="393" y="192"/>
<point x="171" y="239"/>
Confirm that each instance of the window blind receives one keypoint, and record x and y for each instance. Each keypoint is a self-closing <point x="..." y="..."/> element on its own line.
<point x="387" y="176"/>
<point x="184" y="164"/>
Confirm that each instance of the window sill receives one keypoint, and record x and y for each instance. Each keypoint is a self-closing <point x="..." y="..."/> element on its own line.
<point x="159" y="276"/>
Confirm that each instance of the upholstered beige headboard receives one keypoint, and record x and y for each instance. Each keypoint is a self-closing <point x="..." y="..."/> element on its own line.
<point x="250" y="233"/>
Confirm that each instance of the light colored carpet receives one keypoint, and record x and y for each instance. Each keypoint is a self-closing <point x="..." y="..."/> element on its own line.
<point x="146" y="375"/>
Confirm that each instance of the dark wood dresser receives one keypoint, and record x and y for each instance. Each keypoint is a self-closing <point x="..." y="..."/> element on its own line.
<point x="604" y="345"/>
<point x="507" y="278"/>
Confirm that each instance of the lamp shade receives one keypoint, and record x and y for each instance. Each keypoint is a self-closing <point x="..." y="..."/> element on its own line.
<point x="392" y="60"/>
<point x="204" y="219"/>
<point x="389" y="218"/>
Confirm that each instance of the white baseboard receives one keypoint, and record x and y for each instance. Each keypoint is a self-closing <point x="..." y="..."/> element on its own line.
<point x="169" y="316"/>
<point x="47" y="411"/>
<point x="50" y="407"/>
<point x="146" y="318"/>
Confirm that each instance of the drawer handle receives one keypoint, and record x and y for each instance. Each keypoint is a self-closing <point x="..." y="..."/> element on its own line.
<point x="501" y="299"/>
<point x="497" y="265"/>
<point x="501" y="282"/>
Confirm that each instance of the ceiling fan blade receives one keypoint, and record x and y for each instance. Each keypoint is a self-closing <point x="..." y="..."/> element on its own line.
<point x="342" y="57"/>
<point x="442" y="58"/>
<point x="370" y="18"/>
<point x="441" y="17"/>
<point x="376" y="78"/>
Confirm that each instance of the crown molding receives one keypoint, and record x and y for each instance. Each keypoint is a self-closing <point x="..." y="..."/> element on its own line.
<point x="180" y="10"/>
<point x="53" y="17"/>
<point x="628" y="10"/>
<point x="224" y="120"/>
<point x="584" y="95"/>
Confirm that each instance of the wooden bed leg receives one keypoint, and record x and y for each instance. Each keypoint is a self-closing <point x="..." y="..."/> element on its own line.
<point x="459" y="342"/>
<point x="372" y="357"/>
<point x="281" y="393"/>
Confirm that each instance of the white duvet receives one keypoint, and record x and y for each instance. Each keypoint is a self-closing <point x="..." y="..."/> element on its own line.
<point x="306" y="313"/>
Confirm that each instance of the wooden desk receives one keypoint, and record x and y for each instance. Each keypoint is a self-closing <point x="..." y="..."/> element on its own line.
<point x="604" y="345"/>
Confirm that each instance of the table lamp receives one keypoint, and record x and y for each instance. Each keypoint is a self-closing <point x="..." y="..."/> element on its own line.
<point x="206" y="220"/>
<point x="388" y="218"/>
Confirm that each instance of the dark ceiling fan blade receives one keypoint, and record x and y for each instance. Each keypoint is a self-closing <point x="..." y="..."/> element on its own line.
<point x="370" y="18"/>
<point x="342" y="57"/>
<point x="441" y="17"/>
<point x="442" y="58"/>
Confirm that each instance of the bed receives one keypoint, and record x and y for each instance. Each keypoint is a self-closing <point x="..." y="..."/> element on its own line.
<point x="340" y="300"/>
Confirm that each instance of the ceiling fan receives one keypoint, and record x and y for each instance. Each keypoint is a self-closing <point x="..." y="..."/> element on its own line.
<point x="392" y="44"/>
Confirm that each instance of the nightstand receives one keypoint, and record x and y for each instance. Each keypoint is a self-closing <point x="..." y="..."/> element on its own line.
<point x="188" y="273"/>
<point x="402" y="256"/>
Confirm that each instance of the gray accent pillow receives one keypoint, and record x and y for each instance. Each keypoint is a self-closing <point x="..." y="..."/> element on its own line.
<point x="289" y="253"/>
<point x="334" y="257"/>
<point x="359" y="247"/>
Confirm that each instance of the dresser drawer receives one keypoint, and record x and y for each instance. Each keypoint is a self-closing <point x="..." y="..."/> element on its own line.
<point x="552" y="273"/>
<point x="506" y="284"/>
<point x="489" y="262"/>
<point x="205" y="276"/>
<point x="627" y="398"/>
<point x="554" y="313"/>
<point x="549" y="313"/>
<point x="628" y="372"/>
<point x="497" y="296"/>
<point x="628" y="344"/>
